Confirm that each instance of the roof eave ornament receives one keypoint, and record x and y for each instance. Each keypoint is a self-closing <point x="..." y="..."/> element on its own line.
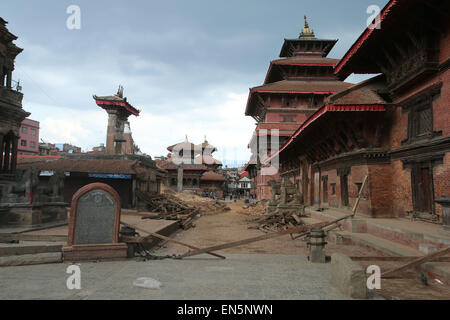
<point x="120" y="91"/>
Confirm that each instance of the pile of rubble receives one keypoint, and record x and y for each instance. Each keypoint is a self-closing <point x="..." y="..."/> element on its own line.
<point x="204" y="205"/>
<point x="277" y="221"/>
<point x="256" y="208"/>
<point x="168" y="207"/>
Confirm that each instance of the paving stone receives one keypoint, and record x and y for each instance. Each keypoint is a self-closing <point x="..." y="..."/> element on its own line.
<point x="240" y="276"/>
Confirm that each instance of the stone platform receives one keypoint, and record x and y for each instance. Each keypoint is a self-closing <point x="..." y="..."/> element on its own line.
<point x="38" y="252"/>
<point x="392" y="236"/>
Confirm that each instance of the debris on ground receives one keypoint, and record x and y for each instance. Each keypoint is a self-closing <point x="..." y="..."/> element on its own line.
<point x="169" y="207"/>
<point x="277" y="221"/>
<point x="255" y="208"/>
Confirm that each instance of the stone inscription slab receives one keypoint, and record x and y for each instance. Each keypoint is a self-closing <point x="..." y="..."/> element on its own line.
<point x="94" y="218"/>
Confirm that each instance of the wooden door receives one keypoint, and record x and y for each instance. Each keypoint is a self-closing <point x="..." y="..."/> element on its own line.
<point x="344" y="190"/>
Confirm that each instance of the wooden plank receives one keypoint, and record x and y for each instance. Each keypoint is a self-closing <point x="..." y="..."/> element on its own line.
<point x="416" y="262"/>
<point x="296" y="218"/>
<point x="19" y="250"/>
<point x="359" y="195"/>
<point x="141" y="214"/>
<point x="34" y="237"/>
<point x="169" y="239"/>
<point x="299" y="229"/>
<point x="302" y="230"/>
<point x="393" y="259"/>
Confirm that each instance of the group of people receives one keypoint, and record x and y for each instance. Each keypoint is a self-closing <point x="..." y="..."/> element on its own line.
<point x="210" y="194"/>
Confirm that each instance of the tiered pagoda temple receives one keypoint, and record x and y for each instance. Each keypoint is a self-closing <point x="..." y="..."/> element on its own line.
<point x="11" y="112"/>
<point x="193" y="167"/>
<point x="294" y="88"/>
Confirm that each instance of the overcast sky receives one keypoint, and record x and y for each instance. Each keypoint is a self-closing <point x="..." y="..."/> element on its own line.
<point x="187" y="64"/>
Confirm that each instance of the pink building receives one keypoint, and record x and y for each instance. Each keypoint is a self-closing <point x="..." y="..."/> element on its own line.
<point x="29" y="137"/>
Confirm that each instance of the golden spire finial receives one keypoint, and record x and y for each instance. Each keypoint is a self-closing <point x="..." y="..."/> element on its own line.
<point x="306" y="33"/>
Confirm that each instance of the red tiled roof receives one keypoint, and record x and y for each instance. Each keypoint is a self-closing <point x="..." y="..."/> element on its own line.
<point x="302" y="86"/>
<point x="244" y="174"/>
<point x="212" y="176"/>
<point x="90" y="166"/>
<point x="320" y="113"/>
<point x="298" y="87"/>
<point x="33" y="158"/>
<point x="104" y="102"/>
<point x="364" y="93"/>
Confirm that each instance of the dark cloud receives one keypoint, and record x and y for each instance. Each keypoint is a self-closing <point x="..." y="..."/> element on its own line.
<point x="171" y="56"/>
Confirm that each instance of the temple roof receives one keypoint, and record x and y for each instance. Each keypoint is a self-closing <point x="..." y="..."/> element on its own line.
<point x="206" y="146"/>
<point x="115" y="101"/>
<point x="362" y="97"/>
<point x="185" y="145"/>
<point x="212" y="176"/>
<point x="302" y="86"/>
<point x="278" y="68"/>
<point x="297" y="87"/>
<point x="307" y="61"/>
<point x="365" y="92"/>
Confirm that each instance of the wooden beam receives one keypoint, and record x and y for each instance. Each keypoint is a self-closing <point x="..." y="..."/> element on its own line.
<point x="393" y="259"/>
<point x="304" y="229"/>
<point x="359" y="195"/>
<point x="160" y="236"/>
<point x="416" y="262"/>
<point x="141" y="214"/>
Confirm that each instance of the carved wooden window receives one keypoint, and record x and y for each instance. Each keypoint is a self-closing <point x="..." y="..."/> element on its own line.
<point x="421" y="121"/>
<point x="420" y="117"/>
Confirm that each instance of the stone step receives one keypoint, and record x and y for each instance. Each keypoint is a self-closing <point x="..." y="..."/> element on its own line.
<point x="33" y="248"/>
<point x="28" y="259"/>
<point x="377" y="243"/>
<point x="422" y="236"/>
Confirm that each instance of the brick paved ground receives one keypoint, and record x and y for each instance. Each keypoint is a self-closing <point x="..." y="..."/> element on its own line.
<point x="240" y="276"/>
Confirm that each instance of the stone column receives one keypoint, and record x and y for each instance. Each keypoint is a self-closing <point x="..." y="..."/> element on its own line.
<point x="180" y="178"/>
<point x="14" y="153"/>
<point x="7" y="150"/>
<point x="1" y="151"/>
<point x="9" y="79"/>
<point x="110" y="133"/>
